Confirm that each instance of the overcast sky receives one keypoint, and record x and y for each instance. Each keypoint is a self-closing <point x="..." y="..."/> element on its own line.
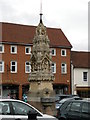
<point x="69" y="15"/>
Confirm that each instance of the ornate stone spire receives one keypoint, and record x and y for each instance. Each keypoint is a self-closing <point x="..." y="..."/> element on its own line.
<point x="41" y="77"/>
<point x="41" y="58"/>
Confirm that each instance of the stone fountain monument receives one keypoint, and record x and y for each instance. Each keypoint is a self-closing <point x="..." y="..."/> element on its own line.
<point x="41" y="77"/>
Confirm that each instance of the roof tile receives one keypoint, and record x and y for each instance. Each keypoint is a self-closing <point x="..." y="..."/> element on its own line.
<point x="80" y="59"/>
<point x="24" y="34"/>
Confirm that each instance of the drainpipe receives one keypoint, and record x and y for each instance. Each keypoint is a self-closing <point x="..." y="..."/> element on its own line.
<point x="72" y="79"/>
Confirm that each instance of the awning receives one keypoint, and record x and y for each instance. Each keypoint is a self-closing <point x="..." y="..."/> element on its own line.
<point x="83" y="88"/>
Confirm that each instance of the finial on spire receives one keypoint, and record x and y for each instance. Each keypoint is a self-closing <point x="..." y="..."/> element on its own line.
<point x="41" y="12"/>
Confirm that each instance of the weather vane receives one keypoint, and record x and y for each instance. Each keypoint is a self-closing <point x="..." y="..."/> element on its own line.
<point x="41" y="11"/>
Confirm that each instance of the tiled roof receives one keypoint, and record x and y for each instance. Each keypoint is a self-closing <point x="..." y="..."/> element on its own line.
<point x="24" y="34"/>
<point x="80" y="59"/>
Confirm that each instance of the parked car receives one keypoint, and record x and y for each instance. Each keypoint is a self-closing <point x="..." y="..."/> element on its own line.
<point x="74" y="110"/>
<point x="11" y="109"/>
<point x="59" y="97"/>
<point x="59" y="103"/>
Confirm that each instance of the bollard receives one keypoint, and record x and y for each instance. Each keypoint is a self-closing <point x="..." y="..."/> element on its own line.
<point x="32" y="115"/>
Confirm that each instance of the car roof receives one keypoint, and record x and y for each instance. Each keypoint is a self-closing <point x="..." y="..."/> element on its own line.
<point x="66" y="95"/>
<point x="6" y="99"/>
<point x="62" y="95"/>
<point x="79" y="100"/>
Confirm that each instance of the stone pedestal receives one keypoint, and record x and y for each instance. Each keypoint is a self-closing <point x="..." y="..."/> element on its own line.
<point x="43" y="100"/>
<point x="48" y="105"/>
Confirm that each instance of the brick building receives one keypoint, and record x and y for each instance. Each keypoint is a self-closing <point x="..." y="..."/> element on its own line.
<point x="15" y="52"/>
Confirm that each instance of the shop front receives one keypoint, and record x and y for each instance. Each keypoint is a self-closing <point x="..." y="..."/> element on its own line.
<point x="14" y="91"/>
<point x="10" y="91"/>
<point x="83" y="92"/>
<point x="61" y="88"/>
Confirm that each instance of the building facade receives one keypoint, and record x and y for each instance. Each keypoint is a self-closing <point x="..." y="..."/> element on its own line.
<point x="15" y="53"/>
<point x="80" y="73"/>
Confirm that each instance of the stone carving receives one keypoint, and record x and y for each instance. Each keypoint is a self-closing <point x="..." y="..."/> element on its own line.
<point x="41" y="58"/>
<point x="41" y="30"/>
<point x="41" y="76"/>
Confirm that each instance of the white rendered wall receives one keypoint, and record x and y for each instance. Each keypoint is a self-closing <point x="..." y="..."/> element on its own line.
<point x="77" y="78"/>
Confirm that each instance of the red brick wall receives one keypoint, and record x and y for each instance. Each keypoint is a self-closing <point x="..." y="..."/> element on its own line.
<point x="21" y="77"/>
<point x="58" y="59"/>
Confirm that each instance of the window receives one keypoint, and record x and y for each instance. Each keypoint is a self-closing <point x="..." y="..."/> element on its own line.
<point x="1" y="66"/>
<point x="21" y="109"/>
<point x="53" y="67"/>
<point x="63" y="52"/>
<point x="27" y="50"/>
<point x="27" y="67"/>
<point x="68" y="107"/>
<point x="63" y="68"/>
<point x="75" y="107"/>
<point x="86" y="107"/>
<point x="13" y="66"/>
<point x="4" y="108"/>
<point x="85" y="76"/>
<point x="13" y="49"/>
<point x="1" y="48"/>
<point x="53" y="52"/>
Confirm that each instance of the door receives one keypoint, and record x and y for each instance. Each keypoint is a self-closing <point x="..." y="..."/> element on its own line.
<point x="74" y="113"/>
